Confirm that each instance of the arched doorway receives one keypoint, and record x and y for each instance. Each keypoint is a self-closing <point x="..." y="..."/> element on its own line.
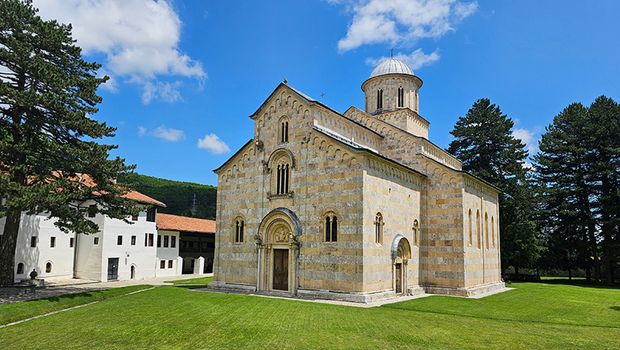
<point x="401" y="253"/>
<point x="133" y="272"/>
<point x="277" y="242"/>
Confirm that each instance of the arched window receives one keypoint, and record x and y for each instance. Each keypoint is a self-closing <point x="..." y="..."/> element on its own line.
<point x="379" y="99"/>
<point x="486" y="230"/>
<point x="416" y="232"/>
<point x="20" y="268"/>
<point x="283" y="130"/>
<point x="478" y="228"/>
<point x="493" y="231"/>
<point x="239" y="228"/>
<point x="48" y="267"/>
<point x="401" y="97"/>
<point x="470" y="228"/>
<point x="331" y="227"/>
<point x="282" y="178"/>
<point x="379" y="228"/>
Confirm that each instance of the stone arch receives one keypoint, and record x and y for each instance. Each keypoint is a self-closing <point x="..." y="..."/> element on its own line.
<point x="400" y="248"/>
<point x="279" y="214"/>
<point x="281" y="152"/>
<point x="400" y="254"/>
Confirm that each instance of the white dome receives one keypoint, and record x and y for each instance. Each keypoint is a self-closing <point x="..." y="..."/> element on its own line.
<point x="391" y="66"/>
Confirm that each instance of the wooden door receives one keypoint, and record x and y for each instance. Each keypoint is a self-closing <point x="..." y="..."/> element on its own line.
<point x="399" y="278"/>
<point x="112" y="269"/>
<point x="280" y="269"/>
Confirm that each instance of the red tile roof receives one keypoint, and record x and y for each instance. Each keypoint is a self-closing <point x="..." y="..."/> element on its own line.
<point x="142" y="198"/>
<point x="184" y="223"/>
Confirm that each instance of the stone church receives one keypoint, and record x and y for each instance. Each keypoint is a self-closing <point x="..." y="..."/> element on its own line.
<point x="359" y="206"/>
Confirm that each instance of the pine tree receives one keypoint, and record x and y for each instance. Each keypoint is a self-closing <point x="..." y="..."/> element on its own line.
<point x="48" y="96"/>
<point x="485" y="144"/>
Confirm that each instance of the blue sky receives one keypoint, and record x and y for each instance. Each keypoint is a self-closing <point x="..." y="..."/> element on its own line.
<point x="187" y="74"/>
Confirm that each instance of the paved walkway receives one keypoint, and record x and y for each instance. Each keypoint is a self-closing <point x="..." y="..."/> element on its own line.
<point x="62" y="286"/>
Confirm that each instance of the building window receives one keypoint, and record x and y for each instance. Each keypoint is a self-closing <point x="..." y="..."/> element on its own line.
<point x="283" y="130"/>
<point x="401" y="97"/>
<point x="20" y="268"/>
<point x="486" y="230"/>
<point x="379" y="99"/>
<point x="173" y="241"/>
<point x="158" y="241"/>
<point x="96" y="240"/>
<point x="282" y="178"/>
<point x="162" y="264"/>
<point x="119" y="240"/>
<point x="33" y="241"/>
<point x="469" y="219"/>
<point x="493" y="231"/>
<point x="169" y="264"/>
<point x="416" y="232"/>
<point x="379" y="228"/>
<point x="239" y="228"/>
<point x="92" y="210"/>
<point x="48" y="267"/>
<point x="133" y="240"/>
<point x="151" y="238"/>
<point x="166" y="240"/>
<point x="71" y="242"/>
<point x="52" y="242"/>
<point x="478" y="228"/>
<point x="150" y="214"/>
<point x="331" y="227"/>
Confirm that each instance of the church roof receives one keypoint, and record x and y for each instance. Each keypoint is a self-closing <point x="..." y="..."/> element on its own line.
<point x="391" y="66"/>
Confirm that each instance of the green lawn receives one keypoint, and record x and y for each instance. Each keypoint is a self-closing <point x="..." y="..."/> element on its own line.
<point x="19" y="311"/>
<point x="534" y="315"/>
<point x="194" y="281"/>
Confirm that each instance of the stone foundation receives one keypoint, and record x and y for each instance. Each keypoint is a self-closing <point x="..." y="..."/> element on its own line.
<point x="467" y="292"/>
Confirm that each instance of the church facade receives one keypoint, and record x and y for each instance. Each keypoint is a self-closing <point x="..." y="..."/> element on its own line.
<point x="358" y="206"/>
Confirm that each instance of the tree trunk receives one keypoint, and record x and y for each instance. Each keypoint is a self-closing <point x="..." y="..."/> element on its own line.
<point x="570" y="274"/>
<point x="7" y="248"/>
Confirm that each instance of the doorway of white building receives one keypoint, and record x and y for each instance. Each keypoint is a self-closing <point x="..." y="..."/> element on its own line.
<point x="112" y="269"/>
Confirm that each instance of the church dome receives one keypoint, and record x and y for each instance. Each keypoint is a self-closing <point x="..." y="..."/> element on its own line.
<point x="391" y="66"/>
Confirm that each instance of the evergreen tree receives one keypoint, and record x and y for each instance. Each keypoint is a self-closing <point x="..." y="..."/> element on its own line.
<point x="485" y="144"/>
<point x="48" y="95"/>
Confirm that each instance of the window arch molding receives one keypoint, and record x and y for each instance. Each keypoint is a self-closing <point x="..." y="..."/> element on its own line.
<point x="238" y="229"/>
<point x="278" y="154"/>
<point x="281" y="165"/>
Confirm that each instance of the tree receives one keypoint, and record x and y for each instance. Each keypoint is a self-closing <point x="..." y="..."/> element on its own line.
<point x="48" y="95"/>
<point x="484" y="143"/>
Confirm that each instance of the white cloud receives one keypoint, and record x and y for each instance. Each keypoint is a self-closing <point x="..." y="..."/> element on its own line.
<point x="401" y="21"/>
<point x="168" y="134"/>
<point x="167" y="92"/>
<point x="142" y="131"/>
<point x="139" y="38"/>
<point x="415" y="60"/>
<point x="528" y="138"/>
<point x="213" y="144"/>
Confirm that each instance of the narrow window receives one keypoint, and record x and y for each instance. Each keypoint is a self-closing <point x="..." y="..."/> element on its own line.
<point x="150" y="214"/>
<point x="239" y="228"/>
<point x="173" y="241"/>
<point x="20" y="268"/>
<point x="96" y="240"/>
<point x="146" y="239"/>
<point x="169" y="264"/>
<point x="278" y="180"/>
<point x="33" y="241"/>
<point x="52" y="242"/>
<point x="166" y="240"/>
<point x="158" y="241"/>
<point x="284" y="132"/>
<point x="151" y="237"/>
<point x="416" y="232"/>
<point x="379" y="228"/>
<point x="401" y="97"/>
<point x="286" y="172"/>
<point x="162" y="264"/>
<point x="241" y="231"/>
<point x="379" y="99"/>
<point x="133" y="240"/>
<point x="71" y="242"/>
<point x="331" y="228"/>
<point x="92" y="211"/>
<point x="493" y="231"/>
<point x="470" y="228"/>
<point x="119" y="240"/>
<point x="478" y="228"/>
<point x="48" y="267"/>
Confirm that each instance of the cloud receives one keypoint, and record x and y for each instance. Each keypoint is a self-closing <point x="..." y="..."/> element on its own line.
<point x="139" y="38"/>
<point x="415" y="60"/>
<point x="213" y="144"/>
<point x="528" y="138"/>
<point x="162" y="132"/>
<point x="167" y="92"/>
<point x="401" y="21"/>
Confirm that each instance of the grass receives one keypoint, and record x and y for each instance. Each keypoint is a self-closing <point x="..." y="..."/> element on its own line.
<point x="19" y="311"/>
<point x="193" y="282"/>
<point x="534" y="315"/>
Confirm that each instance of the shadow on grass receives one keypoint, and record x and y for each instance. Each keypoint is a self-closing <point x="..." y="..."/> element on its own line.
<point x="579" y="283"/>
<point x="615" y="307"/>
<point x="190" y="286"/>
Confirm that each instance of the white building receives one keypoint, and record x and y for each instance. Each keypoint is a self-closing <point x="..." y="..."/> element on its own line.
<point x="119" y="251"/>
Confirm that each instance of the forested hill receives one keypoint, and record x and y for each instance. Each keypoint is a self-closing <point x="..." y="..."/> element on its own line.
<point x="178" y="196"/>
